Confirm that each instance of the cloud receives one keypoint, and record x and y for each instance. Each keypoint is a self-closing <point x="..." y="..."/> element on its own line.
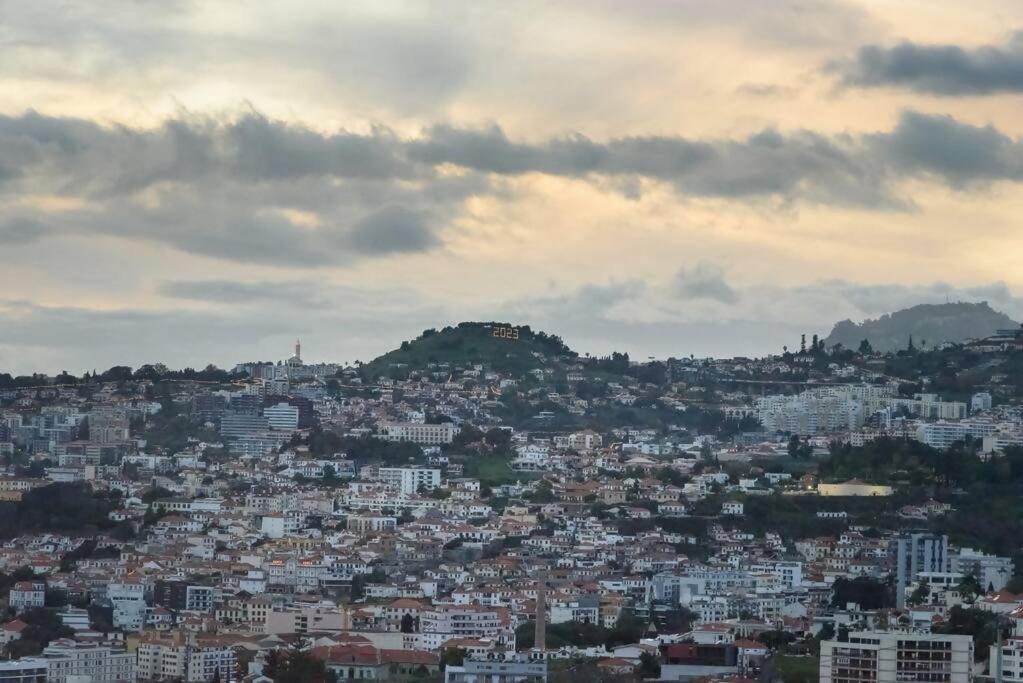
<point x="958" y="153"/>
<point x="290" y="293"/>
<point x="797" y="165"/>
<point x="587" y="301"/>
<point x="255" y="190"/>
<point x="705" y="281"/>
<point x="22" y="231"/>
<point x="392" y="230"/>
<point x="947" y="70"/>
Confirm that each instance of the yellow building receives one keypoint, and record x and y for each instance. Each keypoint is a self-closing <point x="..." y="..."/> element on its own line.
<point x="854" y="487"/>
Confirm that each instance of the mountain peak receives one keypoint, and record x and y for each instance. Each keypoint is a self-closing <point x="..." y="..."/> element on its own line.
<point x="931" y="323"/>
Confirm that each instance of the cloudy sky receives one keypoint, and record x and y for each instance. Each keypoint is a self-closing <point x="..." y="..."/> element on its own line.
<point x="189" y="182"/>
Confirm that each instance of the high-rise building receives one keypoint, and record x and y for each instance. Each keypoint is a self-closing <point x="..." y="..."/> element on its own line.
<point x="282" y="417"/>
<point x="917" y="552"/>
<point x="107" y="425"/>
<point x="235" y="425"/>
<point x="897" y="657"/>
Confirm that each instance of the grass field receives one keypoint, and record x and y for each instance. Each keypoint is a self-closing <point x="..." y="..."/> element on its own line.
<point x="796" y="669"/>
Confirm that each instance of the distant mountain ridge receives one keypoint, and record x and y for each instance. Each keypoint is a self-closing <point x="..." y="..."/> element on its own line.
<point x="930" y="323"/>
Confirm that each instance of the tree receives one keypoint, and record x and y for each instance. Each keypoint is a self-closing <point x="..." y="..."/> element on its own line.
<point x="649" y="666"/>
<point x="865" y="348"/>
<point x="799" y="450"/>
<point x="866" y="592"/>
<point x="920" y="594"/>
<point x="408" y="624"/>
<point x="981" y="624"/>
<point x="293" y="666"/>
<point x="453" y="656"/>
<point x="970" y="588"/>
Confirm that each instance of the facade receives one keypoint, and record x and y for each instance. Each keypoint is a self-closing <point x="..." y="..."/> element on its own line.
<point x="242" y="424"/>
<point x="854" y="488"/>
<point x="498" y="671"/>
<point x="409" y="480"/>
<point x="1009" y="660"/>
<point x="27" y="595"/>
<point x="917" y="553"/>
<point x="895" y="657"/>
<point x="27" y="670"/>
<point x="69" y="661"/>
<point x="193" y="659"/>
<point x="282" y="417"/>
<point x="425" y="434"/>
<point x="128" y="598"/>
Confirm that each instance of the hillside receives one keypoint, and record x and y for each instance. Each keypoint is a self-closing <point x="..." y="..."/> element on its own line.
<point x="930" y="323"/>
<point x="499" y="346"/>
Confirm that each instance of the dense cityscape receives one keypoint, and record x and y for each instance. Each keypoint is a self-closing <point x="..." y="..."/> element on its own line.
<point x="541" y="341"/>
<point x="483" y="503"/>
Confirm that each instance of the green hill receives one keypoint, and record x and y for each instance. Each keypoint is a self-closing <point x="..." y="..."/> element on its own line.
<point x="933" y="323"/>
<point x="497" y="346"/>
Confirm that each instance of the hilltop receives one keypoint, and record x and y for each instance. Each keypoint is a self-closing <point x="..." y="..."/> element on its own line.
<point x="499" y="346"/>
<point x="932" y="324"/>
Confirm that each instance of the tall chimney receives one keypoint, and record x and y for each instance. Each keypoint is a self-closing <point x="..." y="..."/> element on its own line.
<point x="540" y="634"/>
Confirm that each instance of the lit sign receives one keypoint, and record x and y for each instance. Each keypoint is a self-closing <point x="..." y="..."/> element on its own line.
<point x="506" y="332"/>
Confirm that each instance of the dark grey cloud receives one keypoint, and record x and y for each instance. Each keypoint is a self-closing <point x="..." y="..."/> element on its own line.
<point x="937" y="69"/>
<point x="256" y="190"/>
<point x="78" y="156"/>
<point x="18" y="230"/>
<point x="958" y="153"/>
<point x="392" y="230"/>
<point x="705" y="281"/>
<point x="587" y="301"/>
<point x="233" y="292"/>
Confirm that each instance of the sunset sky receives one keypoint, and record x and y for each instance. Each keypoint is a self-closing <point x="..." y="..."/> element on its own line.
<point x="191" y="182"/>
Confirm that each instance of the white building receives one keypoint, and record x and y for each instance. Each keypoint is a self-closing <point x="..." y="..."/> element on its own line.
<point x="27" y="594"/>
<point x="69" y="661"/>
<point x="27" y="670"/>
<point x="428" y="434"/>
<point x="194" y="659"/>
<point x="497" y="671"/>
<point x="992" y="571"/>
<point x="409" y="480"/>
<point x="892" y="657"/>
<point x="282" y="417"/>
<point x="1011" y="660"/>
<point x="128" y="597"/>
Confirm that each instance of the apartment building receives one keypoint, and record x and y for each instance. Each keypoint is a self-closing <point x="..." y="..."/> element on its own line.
<point x="1010" y="660"/>
<point x="897" y="657"/>
<point x="915" y="553"/>
<point x="409" y="480"/>
<point x="27" y="594"/>
<point x="71" y="661"/>
<point x="282" y="417"/>
<point x="425" y="434"/>
<point x="193" y="659"/>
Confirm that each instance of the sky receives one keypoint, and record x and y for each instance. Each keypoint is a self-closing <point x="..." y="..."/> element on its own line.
<point x="194" y="182"/>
